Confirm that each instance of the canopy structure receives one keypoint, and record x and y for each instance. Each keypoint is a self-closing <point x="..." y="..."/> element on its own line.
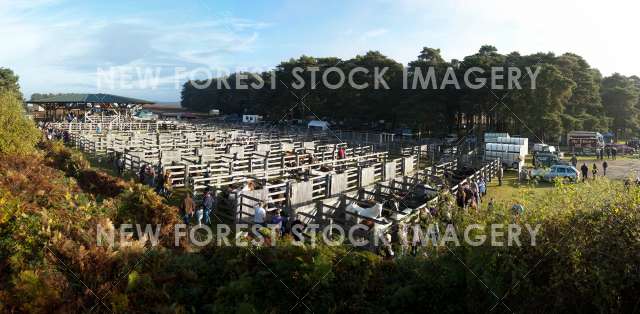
<point x="89" y="105"/>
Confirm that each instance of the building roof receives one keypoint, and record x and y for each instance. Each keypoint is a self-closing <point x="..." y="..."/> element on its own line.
<point x="89" y="98"/>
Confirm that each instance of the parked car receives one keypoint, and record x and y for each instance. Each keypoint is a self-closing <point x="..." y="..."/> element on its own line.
<point x="562" y="171"/>
<point x="546" y="159"/>
<point x="634" y="142"/>
<point x="622" y="149"/>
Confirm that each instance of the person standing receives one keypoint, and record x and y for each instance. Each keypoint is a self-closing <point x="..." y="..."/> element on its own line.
<point x="483" y="187"/>
<point x="199" y="215"/>
<point x="604" y="168"/>
<point x="208" y="203"/>
<point x="574" y="161"/>
<point x="141" y="173"/>
<point x="120" y="165"/>
<point x="260" y="214"/>
<point x="585" y="171"/>
<point x="475" y="190"/>
<point x="460" y="197"/>
<point x="469" y="197"/>
<point x="160" y="184"/>
<point x="500" y="175"/>
<point x="151" y="176"/>
<point x="608" y="152"/>
<point x="594" y="170"/>
<point x="614" y="152"/>
<point x="186" y="208"/>
<point x="601" y="154"/>
<point x="279" y="220"/>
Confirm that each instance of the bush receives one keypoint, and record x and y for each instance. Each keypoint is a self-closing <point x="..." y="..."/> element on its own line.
<point x="586" y="258"/>
<point x="63" y="158"/>
<point x="18" y="134"/>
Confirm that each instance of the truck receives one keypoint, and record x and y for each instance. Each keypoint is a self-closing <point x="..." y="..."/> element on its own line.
<point x="585" y="142"/>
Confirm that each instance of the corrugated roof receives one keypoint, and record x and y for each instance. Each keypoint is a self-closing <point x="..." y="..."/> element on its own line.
<point x="91" y="98"/>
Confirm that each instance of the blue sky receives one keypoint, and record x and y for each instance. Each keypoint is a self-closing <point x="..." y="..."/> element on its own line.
<point x="147" y="48"/>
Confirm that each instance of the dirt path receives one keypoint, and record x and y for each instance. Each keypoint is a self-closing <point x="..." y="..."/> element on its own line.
<point x="618" y="169"/>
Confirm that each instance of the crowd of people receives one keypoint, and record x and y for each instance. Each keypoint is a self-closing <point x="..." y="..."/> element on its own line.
<point x="201" y="213"/>
<point x="278" y="219"/>
<point x="53" y="134"/>
<point x="469" y="195"/>
<point x="610" y="151"/>
<point x="150" y="175"/>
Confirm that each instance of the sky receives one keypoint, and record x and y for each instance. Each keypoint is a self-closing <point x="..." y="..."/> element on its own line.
<point x="149" y="48"/>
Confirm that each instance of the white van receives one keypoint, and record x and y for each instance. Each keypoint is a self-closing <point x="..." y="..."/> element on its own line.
<point x="541" y="147"/>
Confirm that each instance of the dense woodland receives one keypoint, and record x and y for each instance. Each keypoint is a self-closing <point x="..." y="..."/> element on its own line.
<point x="569" y="95"/>
<point x="52" y="200"/>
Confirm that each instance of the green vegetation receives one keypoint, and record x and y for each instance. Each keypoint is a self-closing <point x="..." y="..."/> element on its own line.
<point x="585" y="257"/>
<point x="18" y="135"/>
<point x="569" y="95"/>
<point x="512" y="190"/>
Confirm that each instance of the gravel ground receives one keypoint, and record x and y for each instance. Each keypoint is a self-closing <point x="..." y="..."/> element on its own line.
<point x="618" y="169"/>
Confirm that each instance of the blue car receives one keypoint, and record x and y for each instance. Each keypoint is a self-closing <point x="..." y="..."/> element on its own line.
<point x="565" y="172"/>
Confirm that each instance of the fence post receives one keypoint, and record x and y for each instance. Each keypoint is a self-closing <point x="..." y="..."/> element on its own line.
<point x="186" y="176"/>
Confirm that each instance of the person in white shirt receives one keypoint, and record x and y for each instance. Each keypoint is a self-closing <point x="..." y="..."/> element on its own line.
<point x="260" y="214"/>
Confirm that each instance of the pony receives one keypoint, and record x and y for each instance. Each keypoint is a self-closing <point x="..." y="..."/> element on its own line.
<point x="371" y="212"/>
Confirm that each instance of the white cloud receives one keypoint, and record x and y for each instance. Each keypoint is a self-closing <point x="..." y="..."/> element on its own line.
<point x="602" y="32"/>
<point x="59" y="52"/>
<point x="53" y="50"/>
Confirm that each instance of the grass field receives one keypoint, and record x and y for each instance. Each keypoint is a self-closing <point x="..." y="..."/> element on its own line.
<point x="511" y="190"/>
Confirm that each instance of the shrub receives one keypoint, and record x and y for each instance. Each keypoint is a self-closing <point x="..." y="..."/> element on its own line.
<point x="18" y="134"/>
<point x="586" y="258"/>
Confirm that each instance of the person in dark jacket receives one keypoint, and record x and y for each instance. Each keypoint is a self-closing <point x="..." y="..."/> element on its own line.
<point x="604" y="168"/>
<point x="208" y="202"/>
<point x="280" y="220"/>
<point x="141" y="173"/>
<point x="585" y="171"/>
<point x="160" y="184"/>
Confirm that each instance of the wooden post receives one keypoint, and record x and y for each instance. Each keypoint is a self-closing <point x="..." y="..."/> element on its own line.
<point x="186" y="176"/>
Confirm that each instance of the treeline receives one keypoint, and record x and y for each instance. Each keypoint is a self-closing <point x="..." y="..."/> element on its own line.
<point x="569" y="95"/>
<point x="38" y="96"/>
